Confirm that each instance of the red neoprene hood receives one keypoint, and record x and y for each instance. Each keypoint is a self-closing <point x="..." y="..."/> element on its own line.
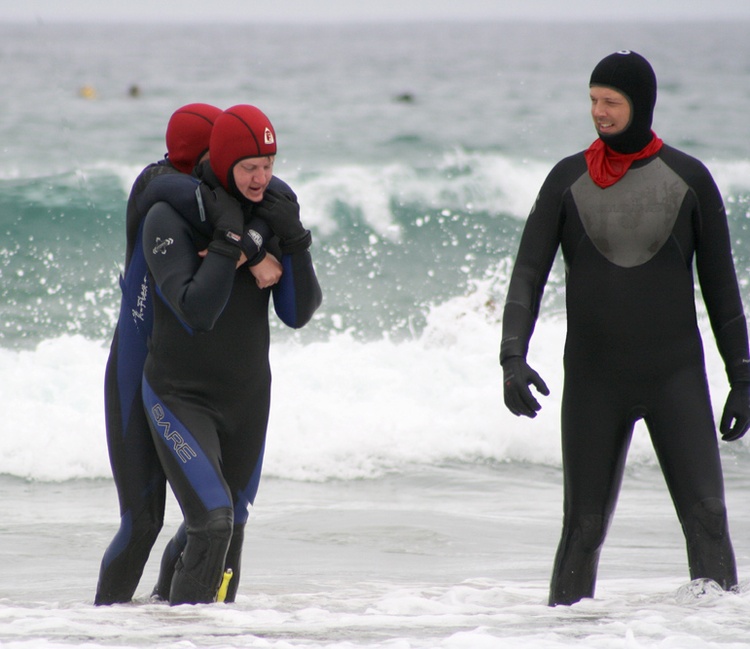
<point x="239" y="132"/>
<point x="188" y="134"/>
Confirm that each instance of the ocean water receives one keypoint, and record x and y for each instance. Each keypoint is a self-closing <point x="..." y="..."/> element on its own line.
<point x="402" y="506"/>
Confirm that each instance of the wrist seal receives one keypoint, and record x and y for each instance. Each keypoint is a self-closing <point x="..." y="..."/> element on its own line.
<point x="222" y="247"/>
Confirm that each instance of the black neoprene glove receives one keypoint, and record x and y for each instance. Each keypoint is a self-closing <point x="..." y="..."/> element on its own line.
<point x="282" y="215"/>
<point x="253" y="238"/>
<point x="517" y="376"/>
<point x="736" y="417"/>
<point x="225" y="215"/>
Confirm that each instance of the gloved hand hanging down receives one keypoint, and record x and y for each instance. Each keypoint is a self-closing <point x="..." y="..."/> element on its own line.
<point x="736" y="418"/>
<point x="517" y="376"/>
<point x="281" y="213"/>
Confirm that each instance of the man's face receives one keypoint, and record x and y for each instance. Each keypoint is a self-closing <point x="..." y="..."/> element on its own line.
<point x="252" y="175"/>
<point x="610" y="110"/>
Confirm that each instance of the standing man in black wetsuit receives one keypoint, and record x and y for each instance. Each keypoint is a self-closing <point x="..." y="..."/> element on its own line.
<point x="206" y="383"/>
<point x="632" y="215"/>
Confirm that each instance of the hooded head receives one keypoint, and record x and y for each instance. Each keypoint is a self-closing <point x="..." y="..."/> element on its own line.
<point x="631" y="75"/>
<point x="240" y="132"/>
<point x="188" y="134"/>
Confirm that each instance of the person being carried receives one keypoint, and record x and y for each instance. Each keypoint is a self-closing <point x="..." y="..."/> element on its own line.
<point x="206" y="381"/>
<point x="137" y="473"/>
<point x="632" y="215"/>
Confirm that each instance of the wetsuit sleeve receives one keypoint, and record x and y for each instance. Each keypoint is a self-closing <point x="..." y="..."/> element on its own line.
<point x="137" y="207"/>
<point x="197" y="289"/>
<point x="298" y="294"/>
<point x="536" y="254"/>
<point x="718" y="279"/>
<point x="179" y="190"/>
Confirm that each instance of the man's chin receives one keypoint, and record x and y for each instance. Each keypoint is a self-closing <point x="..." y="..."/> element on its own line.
<point x="255" y="197"/>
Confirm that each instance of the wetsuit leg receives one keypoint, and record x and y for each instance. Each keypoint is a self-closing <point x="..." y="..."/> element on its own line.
<point x="172" y="554"/>
<point x="248" y="450"/>
<point x="186" y="435"/>
<point x="198" y="572"/>
<point x="684" y="437"/>
<point x="596" y="434"/>
<point x="243" y="498"/>
<point x="140" y="483"/>
<point x="243" y="473"/>
<point x="234" y="562"/>
<point x="169" y="558"/>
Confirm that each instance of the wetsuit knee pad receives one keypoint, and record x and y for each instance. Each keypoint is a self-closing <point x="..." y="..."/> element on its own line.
<point x="199" y="570"/>
<point x="589" y="532"/>
<point x="710" y="515"/>
<point x="147" y="526"/>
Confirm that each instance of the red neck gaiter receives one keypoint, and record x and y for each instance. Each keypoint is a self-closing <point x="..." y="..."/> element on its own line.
<point x="607" y="166"/>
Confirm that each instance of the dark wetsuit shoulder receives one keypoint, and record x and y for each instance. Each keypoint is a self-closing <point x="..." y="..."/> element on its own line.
<point x="135" y="210"/>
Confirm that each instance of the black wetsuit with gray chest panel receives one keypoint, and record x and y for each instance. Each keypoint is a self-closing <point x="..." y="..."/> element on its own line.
<point x="633" y="347"/>
<point x="629" y="252"/>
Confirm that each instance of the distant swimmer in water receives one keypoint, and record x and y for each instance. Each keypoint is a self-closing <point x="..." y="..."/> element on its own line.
<point x="207" y="380"/>
<point x="632" y="215"/>
<point x="405" y="98"/>
<point x="87" y="92"/>
<point x="137" y="472"/>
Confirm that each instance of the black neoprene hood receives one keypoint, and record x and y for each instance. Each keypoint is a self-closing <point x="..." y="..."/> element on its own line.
<point x="631" y="74"/>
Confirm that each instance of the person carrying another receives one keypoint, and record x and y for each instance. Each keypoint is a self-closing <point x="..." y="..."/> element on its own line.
<point x="206" y="381"/>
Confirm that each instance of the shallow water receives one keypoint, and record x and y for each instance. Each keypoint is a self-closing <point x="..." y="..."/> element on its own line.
<point x="441" y="557"/>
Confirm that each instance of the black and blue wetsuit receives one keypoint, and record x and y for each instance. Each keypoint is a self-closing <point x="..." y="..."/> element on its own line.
<point x="206" y="387"/>
<point x="138" y="476"/>
<point x="633" y="348"/>
<point x="137" y="471"/>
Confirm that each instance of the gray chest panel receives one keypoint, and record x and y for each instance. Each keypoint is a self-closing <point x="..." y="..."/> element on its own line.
<point x="630" y="221"/>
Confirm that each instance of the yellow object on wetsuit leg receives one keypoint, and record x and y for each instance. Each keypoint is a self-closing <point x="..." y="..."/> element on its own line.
<point x="222" y="594"/>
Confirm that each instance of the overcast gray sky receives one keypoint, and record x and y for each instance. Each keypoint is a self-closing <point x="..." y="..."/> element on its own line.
<point x="366" y="10"/>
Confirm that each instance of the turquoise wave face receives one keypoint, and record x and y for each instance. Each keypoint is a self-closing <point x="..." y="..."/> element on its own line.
<point x="64" y="240"/>
<point x="57" y="259"/>
<point x="64" y="246"/>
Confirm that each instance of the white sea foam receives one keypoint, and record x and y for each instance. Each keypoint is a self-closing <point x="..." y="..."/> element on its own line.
<point x="460" y="181"/>
<point x="341" y="408"/>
